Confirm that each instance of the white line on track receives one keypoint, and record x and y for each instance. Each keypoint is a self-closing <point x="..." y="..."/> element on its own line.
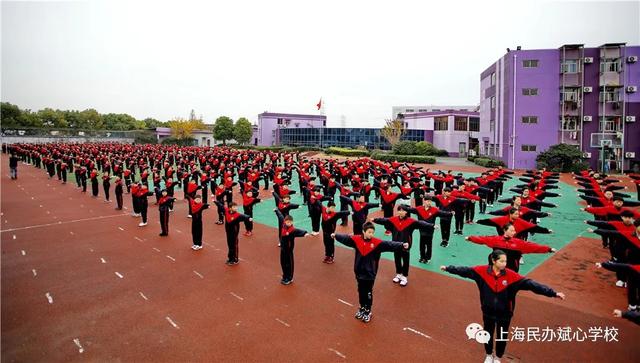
<point x="179" y="231"/>
<point x="14" y="236"/>
<point x="172" y="323"/>
<point x="103" y="260"/>
<point x="198" y="273"/>
<point x="49" y="298"/>
<point x="80" y="348"/>
<point x="34" y="272"/>
<point x="71" y="232"/>
<point x="157" y="250"/>
<point x="60" y="222"/>
<point x="119" y="275"/>
<point x="137" y="239"/>
<point x="344" y="302"/>
<point x="120" y="228"/>
<point x="141" y="294"/>
<point x="337" y="353"/>
<point x="171" y="258"/>
<point x="283" y="323"/>
<point x="417" y="332"/>
<point x="23" y="253"/>
<point x="236" y="296"/>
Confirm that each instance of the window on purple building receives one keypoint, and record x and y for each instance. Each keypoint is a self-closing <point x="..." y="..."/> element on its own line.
<point x="529" y="119"/>
<point x="493" y="101"/>
<point x="529" y="91"/>
<point x="528" y="148"/>
<point x="441" y="123"/>
<point x="474" y="124"/>
<point x="530" y="63"/>
<point x="460" y="123"/>
<point x="493" y="78"/>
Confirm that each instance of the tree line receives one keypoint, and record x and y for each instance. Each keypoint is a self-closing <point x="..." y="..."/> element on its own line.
<point x="224" y="128"/>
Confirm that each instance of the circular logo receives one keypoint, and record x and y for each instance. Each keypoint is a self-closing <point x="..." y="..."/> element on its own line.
<point x="504" y="282"/>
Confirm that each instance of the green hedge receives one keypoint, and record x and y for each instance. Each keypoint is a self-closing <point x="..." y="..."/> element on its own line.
<point x="488" y="162"/>
<point x="422" y="159"/>
<point x="278" y="148"/>
<point x="346" y="152"/>
<point x="417" y="148"/>
<point x="180" y="142"/>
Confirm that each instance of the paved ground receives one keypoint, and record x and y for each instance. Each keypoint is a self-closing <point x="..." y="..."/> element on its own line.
<point x="81" y="281"/>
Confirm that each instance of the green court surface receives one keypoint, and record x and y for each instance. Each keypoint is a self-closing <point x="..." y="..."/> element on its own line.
<point x="567" y="223"/>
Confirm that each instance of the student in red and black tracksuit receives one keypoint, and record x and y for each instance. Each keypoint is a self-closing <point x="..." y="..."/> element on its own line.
<point x="427" y="213"/>
<point x="248" y="201"/>
<point x="513" y="247"/>
<point x="402" y="227"/>
<point x="106" y="185"/>
<point x="143" y="193"/>
<point x="329" y="220"/>
<point x="388" y="201"/>
<point x="118" y="192"/>
<point x="360" y="211"/>
<point x="232" y="219"/>
<point x="368" y="250"/>
<point x="498" y="287"/>
<point x="164" y="206"/>
<point x="522" y="227"/>
<point x="633" y="282"/>
<point x="94" y="183"/>
<point x="447" y="203"/>
<point x="459" y="211"/>
<point x="127" y="179"/>
<point x="315" y="210"/>
<point x="219" y="194"/>
<point x="135" y="201"/>
<point x="287" y="236"/>
<point x="196" y="221"/>
<point x="192" y="189"/>
<point x="620" y="233"/>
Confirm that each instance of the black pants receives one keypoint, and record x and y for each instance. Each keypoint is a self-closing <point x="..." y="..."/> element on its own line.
<point x="64" y="176"/>
<point x="164" y="221"/>
<point x="84" y="184"/>
<point x="196" y="230"/>
<point x="119" y="200"/>
<point x="286" y="260"/>
<point x="345" y="219"/>
<point x="357" y="227"/>
<point x="401" y="259"/>
<point x="315" y="220"/>
<point x="445" y="228"/>
<point x="483" y="205"/>
<point x="232" y="241"/>
<point x="633" y="291"/>
<point x="94" y="188"/>
<point x="329" y="244"/>
<point x="106" y="187"/>
<point x="470" y="212"/>
<point x="365" y="293"/>
<point x="426" y="243"/>
<point x="248" y="225"/>
<point x="501" y="327"/>
<point x="143" y="210"/>
<point x="459" y="219"/>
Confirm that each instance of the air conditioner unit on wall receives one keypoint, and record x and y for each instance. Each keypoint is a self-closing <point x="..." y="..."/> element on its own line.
<point x="630" y="119"/>
<point x="631" y="89"/>
<point x="587" y="89"/>
<point x="630" y="155"/>
<point x="587" y="118"/>
<point x="632" y="59"/>
<point x="586" y="155"/>
<point x="588" y="60"/>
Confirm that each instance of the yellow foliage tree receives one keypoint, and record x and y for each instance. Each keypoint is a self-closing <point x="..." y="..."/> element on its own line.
<point x="393" y="130"/>
<point x="183" y="129"/>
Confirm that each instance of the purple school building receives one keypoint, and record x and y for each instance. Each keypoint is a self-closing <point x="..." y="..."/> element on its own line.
<point x="586" y="97"/>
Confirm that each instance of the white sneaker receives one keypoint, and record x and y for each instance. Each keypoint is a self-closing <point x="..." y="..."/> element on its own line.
<point x="620" y="283"/>
<point x="522" y="260"/>
<point x="315" y="233"/>
<point x="198" y="247"/>
<point x="632" y="307"/>
<point x="194" y="247"/>
<point x="488" y="359"/>
<point x="496" y="360"/>
<point x="142" y="224"/>
<point x="397" y="278"/>
<point x="189" y="216"/>
<point x="403" y="281"/>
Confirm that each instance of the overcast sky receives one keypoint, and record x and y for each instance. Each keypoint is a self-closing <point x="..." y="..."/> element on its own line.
<point x="240" y="58"/>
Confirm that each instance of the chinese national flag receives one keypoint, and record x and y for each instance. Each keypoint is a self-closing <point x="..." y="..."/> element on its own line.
<point x="319" y="105"/>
